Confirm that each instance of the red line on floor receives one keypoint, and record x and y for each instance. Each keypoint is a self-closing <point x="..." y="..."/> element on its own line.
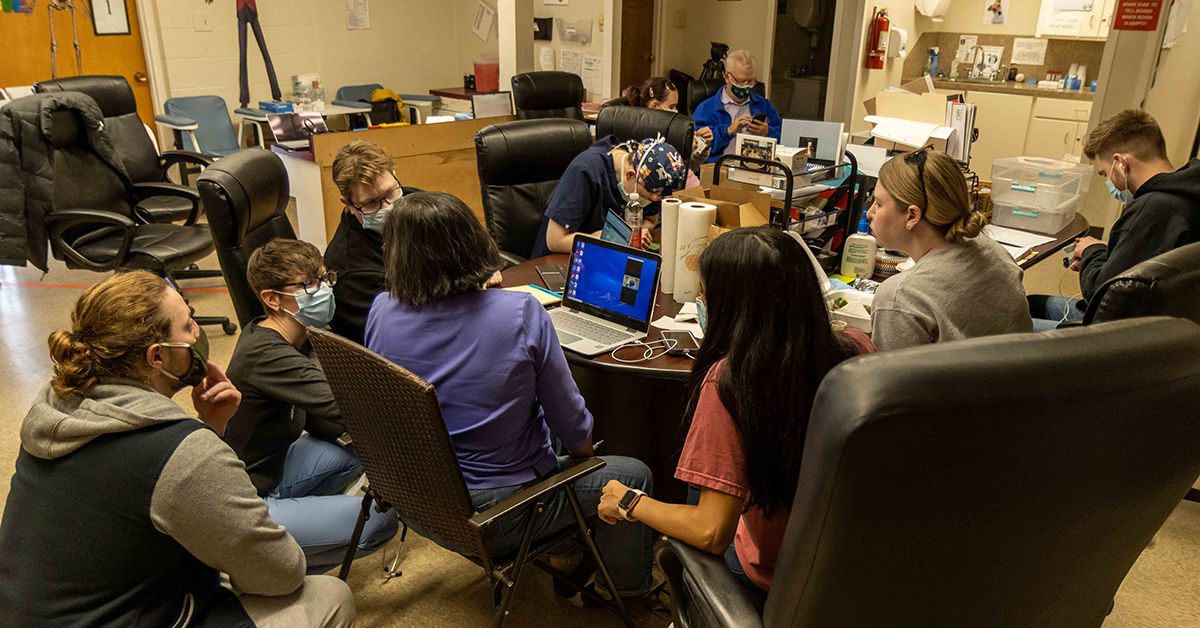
<point x="68" y="285"/>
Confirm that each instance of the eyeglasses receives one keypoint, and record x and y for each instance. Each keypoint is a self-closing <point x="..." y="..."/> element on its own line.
<point x="918" y="157"/>
<point x="749" y="83"/>
<point x="393" y="195"/>
<point x="312" y="285"/>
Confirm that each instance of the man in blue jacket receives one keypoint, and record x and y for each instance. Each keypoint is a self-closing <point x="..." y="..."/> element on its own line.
<point x="732" y="110"/>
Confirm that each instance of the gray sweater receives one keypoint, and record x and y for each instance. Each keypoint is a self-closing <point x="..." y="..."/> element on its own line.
<point x="963" y="290"/>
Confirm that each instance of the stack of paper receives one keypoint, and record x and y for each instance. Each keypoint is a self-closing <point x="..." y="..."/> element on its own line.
<point x="1016" y="242"/>
<point x="960" y="116"/>
<point x="544" y="296"/>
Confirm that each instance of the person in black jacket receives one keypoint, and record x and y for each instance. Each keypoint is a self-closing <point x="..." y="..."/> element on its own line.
<point x="288" y="424"/>
<point x="1162" y="209"/>
<point x="369" y="187"/>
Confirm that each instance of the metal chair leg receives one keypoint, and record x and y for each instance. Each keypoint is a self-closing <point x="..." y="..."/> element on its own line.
<point x="363" y="513"/>
<point x="518" y="566"/>
<point x="618" y="605"/>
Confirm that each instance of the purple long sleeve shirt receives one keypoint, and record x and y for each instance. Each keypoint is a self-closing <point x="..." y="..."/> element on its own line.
<point x="500" y="375"/>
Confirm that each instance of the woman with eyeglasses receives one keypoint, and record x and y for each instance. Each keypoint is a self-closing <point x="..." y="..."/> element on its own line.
<point x="964" y="284"/>
<point x="287" y="427"/>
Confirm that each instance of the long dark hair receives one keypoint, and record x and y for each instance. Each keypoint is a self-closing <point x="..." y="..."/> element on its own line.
<point x="653" y="89"/>
<point x="434" y="247"/>
<point x="767" y="320"/>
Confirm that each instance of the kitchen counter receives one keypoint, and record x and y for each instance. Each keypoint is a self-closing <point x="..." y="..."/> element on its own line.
<point x="1011" y="87"/>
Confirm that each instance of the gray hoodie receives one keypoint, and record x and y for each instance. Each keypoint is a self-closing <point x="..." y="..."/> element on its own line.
<point x="203" y="497"/>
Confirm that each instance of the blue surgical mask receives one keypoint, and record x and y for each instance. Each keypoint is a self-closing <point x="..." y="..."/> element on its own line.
<point x="1125" y="196"/>
<point x="701" y="314"/>
<point x="314" y="310"/>
<point x="374" y="222"/>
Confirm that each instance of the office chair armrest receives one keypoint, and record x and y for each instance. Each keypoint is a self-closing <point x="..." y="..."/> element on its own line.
<point x="703" y="581"/>
<point x="169" y="158"/>
<point x="62" y="219"/>
<point x="527" y="496"/>
<point x="142" y="191"/>
<point x="178" y="123"/>
<point x="511" y="259"/>
<point x="354" y="104"/>
<point x="1070" y="324"/>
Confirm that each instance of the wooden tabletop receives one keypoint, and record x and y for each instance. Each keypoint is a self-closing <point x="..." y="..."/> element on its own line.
<point x="453" y="92"/>
<point x="1074" y="229"/>
<point x="665" y="367"/>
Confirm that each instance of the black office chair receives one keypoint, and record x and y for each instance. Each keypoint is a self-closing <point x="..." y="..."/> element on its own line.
<point x="245" y="196"/>
<point x="638" y="123"/>
<point x="93" y="225"/>
<point x="138" y="153"/>
<point x="548" y="95"/>
<point x="699" y="91"/>
<point x="619" y="101"/>
<point x="520" y="163"/>
<point x="396" y="422"/>
<point x="1002" y="481"/>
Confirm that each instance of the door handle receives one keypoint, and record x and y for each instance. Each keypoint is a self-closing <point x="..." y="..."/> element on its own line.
<point x="1092" y="21"/>
<point x="649" y="57"/>
<point x="1066" y="138"/>
<point x="140" y="77"/>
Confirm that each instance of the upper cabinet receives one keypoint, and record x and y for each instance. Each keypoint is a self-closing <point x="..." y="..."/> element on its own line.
<point x="1092" y="23"/>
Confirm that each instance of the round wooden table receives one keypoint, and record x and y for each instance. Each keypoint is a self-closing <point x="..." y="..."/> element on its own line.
<point x="638" y="408"/>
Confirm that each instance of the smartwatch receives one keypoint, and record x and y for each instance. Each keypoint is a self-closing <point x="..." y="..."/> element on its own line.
<point x="628" y="501"/>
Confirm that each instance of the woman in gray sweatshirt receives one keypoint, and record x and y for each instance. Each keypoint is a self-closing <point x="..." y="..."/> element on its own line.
<point x="124" y="509"/>
<point x="963" y="284"/>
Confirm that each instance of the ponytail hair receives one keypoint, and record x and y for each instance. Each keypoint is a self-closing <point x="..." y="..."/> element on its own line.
<point x="112" y="325"/>
<point x="655" y="88"/>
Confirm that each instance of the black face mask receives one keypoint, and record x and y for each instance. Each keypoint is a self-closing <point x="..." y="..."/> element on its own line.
<point x="198" y="368"/>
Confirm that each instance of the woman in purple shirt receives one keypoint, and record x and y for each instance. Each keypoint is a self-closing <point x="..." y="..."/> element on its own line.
<point x="500" y="375"/>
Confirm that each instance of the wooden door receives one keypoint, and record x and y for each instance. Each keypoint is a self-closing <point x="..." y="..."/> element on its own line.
<point x="637" y="41"/>
<point x="26" y="47"/>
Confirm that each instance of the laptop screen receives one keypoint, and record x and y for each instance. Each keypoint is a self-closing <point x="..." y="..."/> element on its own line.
<point x="616" y="230"/>
<point x="491" y="104"/>
<point x="613" y="282"/>
<point x="290" y="127"/>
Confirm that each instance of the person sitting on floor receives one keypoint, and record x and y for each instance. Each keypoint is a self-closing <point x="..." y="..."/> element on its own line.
<point x="1162" y="210"/>
<point x="288" y="424"/>
<point x="125" y="510"/>
<point x="768" y="343"/>
<point x="502" y="379"/>
<point x="367" y="181"/>
<point x="964" y="284"/>
<point x="733" y="109"/>
<point x="590" y="187"/>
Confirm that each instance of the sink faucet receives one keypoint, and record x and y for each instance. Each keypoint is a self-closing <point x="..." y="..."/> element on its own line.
<point x="973" y="73"/>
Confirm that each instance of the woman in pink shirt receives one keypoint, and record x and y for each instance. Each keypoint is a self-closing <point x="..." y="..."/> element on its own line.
<point x="767" y="345"/>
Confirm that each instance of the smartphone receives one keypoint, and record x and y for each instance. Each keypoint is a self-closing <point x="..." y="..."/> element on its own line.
<point x="760" y="117"/>
<point x="685" y="342"/>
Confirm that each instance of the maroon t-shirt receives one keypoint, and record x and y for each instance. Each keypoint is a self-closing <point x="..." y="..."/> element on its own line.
<point x="712" y="458"/>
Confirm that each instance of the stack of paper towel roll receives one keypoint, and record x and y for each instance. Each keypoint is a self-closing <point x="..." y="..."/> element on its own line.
<point x="684" y="237"/>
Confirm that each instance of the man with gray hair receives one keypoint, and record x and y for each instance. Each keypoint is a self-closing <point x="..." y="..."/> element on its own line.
<point x="736" y="108"/>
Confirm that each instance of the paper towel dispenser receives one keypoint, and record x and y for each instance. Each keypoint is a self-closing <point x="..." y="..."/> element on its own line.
<point x="933" y="8"/>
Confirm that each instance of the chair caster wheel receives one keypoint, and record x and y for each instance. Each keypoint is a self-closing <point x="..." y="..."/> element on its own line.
<point x="229" y="328"/>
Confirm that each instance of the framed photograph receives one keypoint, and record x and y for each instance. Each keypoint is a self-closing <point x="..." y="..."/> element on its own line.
<point x="109" y="17"/>
<point x="755" y="146"/>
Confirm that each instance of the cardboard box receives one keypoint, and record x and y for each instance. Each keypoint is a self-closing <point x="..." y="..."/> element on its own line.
<point x="896" y="134"/>
<point x="736" y="208"/>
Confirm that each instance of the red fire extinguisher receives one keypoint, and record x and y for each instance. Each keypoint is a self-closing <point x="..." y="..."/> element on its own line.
<point x="878" y="41"/>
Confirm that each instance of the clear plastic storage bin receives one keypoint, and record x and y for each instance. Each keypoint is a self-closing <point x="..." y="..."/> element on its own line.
<point x="1031" y="217"/>
<point x="1035" y="188"/>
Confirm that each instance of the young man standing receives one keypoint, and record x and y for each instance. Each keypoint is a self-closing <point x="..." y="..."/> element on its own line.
<point x="1162" y="209"/>
<point x="733" y="109"/>
<point x="369" y="187"/>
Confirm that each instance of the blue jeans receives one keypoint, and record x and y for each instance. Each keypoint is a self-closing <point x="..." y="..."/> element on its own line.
<point x="308" y="502"/>
<point x="1048" y="312"/>
<point x="626" y="547"/>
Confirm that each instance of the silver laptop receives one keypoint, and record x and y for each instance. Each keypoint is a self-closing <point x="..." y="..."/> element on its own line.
<point x="609" y="296"/>
<point x="292" y="130"/>
<point x="491" y="104"/>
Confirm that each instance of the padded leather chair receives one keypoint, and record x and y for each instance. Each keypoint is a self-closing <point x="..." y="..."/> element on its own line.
<point x="699" y="91"/>
<point x="619" y="101"/>
<point x="548" y="95"/>
<point x="138" y="153"/>
<point x="1003" y="481"/>
<point x="1166" y="285"/>
<point x="245" y="196"/>
<point x="93" y="225"/>
<point x="638" y="123"/>
<point x="520" y="163"/>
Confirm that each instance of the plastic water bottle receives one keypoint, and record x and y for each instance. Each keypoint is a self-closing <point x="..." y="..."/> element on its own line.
<point x="633" y="218"/>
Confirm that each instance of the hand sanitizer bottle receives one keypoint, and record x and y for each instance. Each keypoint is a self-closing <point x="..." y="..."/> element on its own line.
<point x="858" y="256"/>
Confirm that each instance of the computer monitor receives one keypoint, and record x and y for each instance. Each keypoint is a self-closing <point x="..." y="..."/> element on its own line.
<point x="614" y="282"/>
<point x="824" y="137"/>
<point x="491" y="104"/>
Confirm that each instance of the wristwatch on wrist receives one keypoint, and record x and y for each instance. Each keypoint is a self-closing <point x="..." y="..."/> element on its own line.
<point x="628" y="501"/>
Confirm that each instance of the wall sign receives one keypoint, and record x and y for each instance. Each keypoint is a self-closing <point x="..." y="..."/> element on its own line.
<point x="1137" y="15"/>
<point x="109" y="17"/>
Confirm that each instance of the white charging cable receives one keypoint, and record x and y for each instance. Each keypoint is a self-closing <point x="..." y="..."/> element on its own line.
<point x="663" y="344"/>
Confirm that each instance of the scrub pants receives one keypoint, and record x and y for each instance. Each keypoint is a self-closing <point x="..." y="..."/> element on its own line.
<point x="308" y="502"/>
<point x="1048" y="312"/>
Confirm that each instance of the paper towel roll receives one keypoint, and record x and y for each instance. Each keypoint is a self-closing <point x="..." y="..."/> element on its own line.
<point x="691" y="240"/>
<point x="670" y="231"/>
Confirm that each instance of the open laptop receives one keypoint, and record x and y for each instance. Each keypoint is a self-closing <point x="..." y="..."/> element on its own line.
<point x="292" y="130"/>
<point x="609" y="297"/>
<point x="491" y="104"/>
<point x="615" y="230"/>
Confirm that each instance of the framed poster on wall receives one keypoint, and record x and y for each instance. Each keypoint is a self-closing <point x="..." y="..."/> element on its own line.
<point x="109" y="17"/>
